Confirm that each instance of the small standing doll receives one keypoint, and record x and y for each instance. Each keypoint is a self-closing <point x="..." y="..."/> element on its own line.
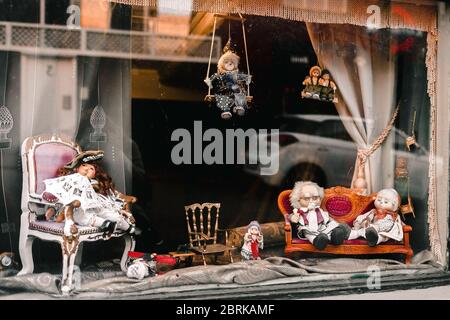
<point x="253" y="241"/>
<point x="229" y="85"/>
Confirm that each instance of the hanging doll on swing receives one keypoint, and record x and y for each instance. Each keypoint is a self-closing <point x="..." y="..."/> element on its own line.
<point x="319" y="86"/>
<point x="88" y="197"/>
<point x="229" y="85"/>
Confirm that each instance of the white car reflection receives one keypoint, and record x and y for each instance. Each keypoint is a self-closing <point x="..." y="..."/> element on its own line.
<point x="318" y="148"/>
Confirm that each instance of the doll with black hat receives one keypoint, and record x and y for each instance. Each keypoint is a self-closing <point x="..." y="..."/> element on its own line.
<point x="88" y="196"/>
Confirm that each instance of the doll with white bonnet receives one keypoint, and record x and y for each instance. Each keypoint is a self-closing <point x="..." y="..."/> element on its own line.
<point x="382" y="223"/>
<point x="253" y="241"/>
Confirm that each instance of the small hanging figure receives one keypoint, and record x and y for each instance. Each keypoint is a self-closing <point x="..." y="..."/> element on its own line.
<point x="328" y="87"/>
<point x="229" y="85"/>
<point x="311" y="83"/>
<point x="253" y="241"/>
<point x="319" y="86"/>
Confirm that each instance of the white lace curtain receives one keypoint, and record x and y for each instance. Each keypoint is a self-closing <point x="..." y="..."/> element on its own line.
<point x="58" y="96"/>
<point x="364" y="71"/>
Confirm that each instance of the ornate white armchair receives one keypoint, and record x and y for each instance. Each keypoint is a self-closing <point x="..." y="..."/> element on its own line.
<point x="41" y="157"/>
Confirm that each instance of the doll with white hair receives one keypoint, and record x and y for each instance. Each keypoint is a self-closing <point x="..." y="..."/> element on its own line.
<point x="229" y="85"/>
<point x="381" y="223"/>
<point x="314" y="223"/>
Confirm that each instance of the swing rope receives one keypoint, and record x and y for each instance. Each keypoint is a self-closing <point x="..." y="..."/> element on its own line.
<point x="210" y="53"/>
<point x="229" y="29"/>
<point x="246" y="53"/>
<point x="229" y="38"/>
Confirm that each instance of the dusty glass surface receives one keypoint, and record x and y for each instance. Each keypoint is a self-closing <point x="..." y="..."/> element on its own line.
<point x="129" y="80"/>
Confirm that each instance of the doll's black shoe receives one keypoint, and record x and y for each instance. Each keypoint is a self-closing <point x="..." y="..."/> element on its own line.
<point x="371" y="236"/>
<point x="131" y="229"/>
<point x="108" y="227"/>
<point x="339" y="234"/>
<point x="321" y="241"/>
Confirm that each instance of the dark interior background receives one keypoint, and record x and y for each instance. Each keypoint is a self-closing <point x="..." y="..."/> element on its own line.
<point x="274" y="46"/>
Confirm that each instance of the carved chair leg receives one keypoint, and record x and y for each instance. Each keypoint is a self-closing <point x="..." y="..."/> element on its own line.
<point x="26" y="254"/>
<point x="204" y="260"/>
<point x="69" y="247"/>
<point x="129" y="246"/>
<point x="70" y="269"/>
<point x="64" y="269"/>
<point x="231" y="256"/>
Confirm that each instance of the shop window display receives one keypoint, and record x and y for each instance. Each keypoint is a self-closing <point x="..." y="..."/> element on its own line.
<point x="362" y="123"/>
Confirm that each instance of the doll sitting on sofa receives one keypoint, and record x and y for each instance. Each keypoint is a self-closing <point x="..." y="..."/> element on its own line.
<point x="88" y="197"/>
<point x="314" y="223"/>
<point x="382" y="223"/>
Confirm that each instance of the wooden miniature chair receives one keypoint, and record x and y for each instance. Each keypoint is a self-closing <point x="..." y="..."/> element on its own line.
<point x="42" y="156"/>
<point x="343" y="205"/>
<point x="203" y="225"/>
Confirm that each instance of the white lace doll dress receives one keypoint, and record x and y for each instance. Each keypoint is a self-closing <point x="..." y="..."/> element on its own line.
<point x="95" y="208"/>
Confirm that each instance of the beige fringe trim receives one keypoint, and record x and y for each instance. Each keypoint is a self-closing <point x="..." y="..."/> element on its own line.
<point x="431" y="62"/>
<point x="393" y="15"/>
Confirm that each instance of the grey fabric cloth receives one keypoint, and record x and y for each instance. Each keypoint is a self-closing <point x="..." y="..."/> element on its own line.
<point x="116" y="284"/>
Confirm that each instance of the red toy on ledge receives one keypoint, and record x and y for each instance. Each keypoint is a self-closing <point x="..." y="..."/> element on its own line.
<point x="145" y="264"/>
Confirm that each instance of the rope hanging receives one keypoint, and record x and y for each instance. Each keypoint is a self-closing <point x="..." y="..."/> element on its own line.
<point x="364" y="154"/>
<point x="246" y="53"/>
<point x="229" y="17"/>
<point x="210" y="53"/>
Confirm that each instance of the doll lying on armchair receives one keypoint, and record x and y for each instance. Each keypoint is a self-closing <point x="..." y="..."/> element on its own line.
<point x="87" y="196"/>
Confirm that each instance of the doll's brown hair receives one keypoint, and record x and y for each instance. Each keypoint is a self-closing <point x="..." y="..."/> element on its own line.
<point x="105" y="183"/>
